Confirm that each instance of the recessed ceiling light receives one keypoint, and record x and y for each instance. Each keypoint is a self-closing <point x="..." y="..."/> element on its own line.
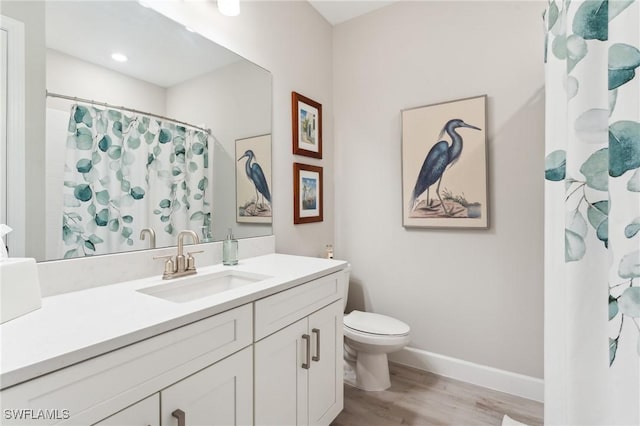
<point x="229" y="7"/>
<point x="119" y="57"/>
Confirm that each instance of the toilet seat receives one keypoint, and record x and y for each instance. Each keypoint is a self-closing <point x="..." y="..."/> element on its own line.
<point x="368" y="323"/>
<point x="379" y="340"/>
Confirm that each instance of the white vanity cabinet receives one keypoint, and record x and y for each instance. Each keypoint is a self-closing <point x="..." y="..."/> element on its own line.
<point x="298" y="368"/>
<point x="274" y="360"/>
<point x="221" y="394"/>
<point x="93" y="390"/>
<point x="326" y="369"/>
<point x="143" y="413"/>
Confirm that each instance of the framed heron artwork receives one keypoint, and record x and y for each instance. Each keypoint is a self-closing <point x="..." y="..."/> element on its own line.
<point x="253" y="179"/>
<point x="306" y="117"/>
<point x="444" y="165"/>
<point x="307" y="193"/>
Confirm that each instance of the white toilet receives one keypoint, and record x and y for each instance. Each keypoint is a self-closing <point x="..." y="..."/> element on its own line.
<point x="368" y="338"/>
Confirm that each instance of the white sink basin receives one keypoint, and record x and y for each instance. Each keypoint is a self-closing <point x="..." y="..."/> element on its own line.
<point x="198" y="286"/>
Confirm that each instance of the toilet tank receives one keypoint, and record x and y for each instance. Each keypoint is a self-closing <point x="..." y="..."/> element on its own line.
<point x="345" y="278"/>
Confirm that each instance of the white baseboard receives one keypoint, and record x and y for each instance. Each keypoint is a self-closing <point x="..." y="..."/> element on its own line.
<point x="481" y="375"/>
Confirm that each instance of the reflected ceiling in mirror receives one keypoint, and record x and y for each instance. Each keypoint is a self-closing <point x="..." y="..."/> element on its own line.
<point x="170" y="72"/>
<point x="159" y="51"/>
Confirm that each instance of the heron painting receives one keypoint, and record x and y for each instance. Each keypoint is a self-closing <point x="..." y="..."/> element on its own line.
<point x="444" y="165"/>
<point x="253" y="179"/>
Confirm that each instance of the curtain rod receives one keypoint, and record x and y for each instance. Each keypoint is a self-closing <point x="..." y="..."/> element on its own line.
<point x="104" y="104"/>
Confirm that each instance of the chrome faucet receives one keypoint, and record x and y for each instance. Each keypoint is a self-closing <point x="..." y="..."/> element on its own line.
<point x="152" y="236"/>
<point x="182" y="266"/>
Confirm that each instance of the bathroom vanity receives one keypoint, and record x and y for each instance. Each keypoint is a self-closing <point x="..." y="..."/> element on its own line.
<point x="257" y="343"/>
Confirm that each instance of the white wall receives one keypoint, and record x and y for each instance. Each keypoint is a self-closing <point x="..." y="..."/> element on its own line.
<point x="293" y="41"/>
<point x="235" y="103"/>
<point x="475" y="295"/>
<point x="68" y="75"/>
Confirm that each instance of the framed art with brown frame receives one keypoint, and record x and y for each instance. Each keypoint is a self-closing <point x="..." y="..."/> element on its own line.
<point x="444" y="165"/>
<point x="306" y="118"/>
<point x="307" y="193"/>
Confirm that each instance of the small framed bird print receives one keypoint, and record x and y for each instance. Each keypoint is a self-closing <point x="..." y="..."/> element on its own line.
<point x="444" y="165"/>
<point x="253" y="179"/>
<point x="307" y="193"/>
<point x="306" y="116"/>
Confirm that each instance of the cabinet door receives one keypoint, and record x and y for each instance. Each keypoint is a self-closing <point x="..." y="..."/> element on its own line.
<point x="280" y="379"/>
<point x="221" y="394"/>
<point x="144" y="413"/>
<point x="325" y="375"/>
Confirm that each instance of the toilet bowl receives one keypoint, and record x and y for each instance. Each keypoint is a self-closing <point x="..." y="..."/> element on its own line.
<point x="368" y="338"/>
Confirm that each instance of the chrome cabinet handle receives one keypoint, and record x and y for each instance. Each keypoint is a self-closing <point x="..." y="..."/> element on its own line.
<point x="307" y="364"/>
<point x="180" y="415"/>
<point x="316" y="357"/>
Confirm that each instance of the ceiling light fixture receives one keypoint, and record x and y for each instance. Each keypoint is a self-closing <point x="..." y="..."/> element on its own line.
<point x="229" y="7"/>
<point x="119" y="57"/>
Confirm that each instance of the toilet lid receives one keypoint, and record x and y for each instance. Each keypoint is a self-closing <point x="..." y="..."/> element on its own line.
<point x="368" y="322"/>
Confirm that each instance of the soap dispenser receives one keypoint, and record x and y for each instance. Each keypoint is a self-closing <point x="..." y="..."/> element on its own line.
<point x="230" y="250"/>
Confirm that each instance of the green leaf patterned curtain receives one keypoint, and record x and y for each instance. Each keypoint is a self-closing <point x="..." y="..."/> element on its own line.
<point x="124" y="173"/>
<point x="592" y="213"/>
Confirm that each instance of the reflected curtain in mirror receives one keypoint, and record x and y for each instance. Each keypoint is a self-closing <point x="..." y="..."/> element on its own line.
<point x="125" y="172"/>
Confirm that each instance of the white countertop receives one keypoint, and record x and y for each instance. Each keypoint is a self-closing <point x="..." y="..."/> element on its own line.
<point x="73" y="327"/>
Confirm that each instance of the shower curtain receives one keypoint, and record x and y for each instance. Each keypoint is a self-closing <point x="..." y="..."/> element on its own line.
<point x="592" y="213"/>
<point x="126" y="172"/>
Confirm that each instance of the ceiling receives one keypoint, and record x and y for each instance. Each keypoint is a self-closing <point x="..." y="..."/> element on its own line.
<point x="338" y="11"/>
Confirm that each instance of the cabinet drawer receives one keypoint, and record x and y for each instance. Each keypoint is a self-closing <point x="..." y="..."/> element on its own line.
<point x="276" y="312"/>
<point x="96" y="388"/>
<point x="145" y="412"/>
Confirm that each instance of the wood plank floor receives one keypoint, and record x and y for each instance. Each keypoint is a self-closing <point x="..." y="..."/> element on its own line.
<point x="421" y="398"/>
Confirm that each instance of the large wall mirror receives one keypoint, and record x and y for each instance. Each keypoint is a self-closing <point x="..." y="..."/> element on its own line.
<point x="115" y="146"/>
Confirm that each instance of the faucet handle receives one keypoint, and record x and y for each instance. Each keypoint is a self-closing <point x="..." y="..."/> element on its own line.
<point x="191" y="261"/>
<point x="168" y="264"/>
